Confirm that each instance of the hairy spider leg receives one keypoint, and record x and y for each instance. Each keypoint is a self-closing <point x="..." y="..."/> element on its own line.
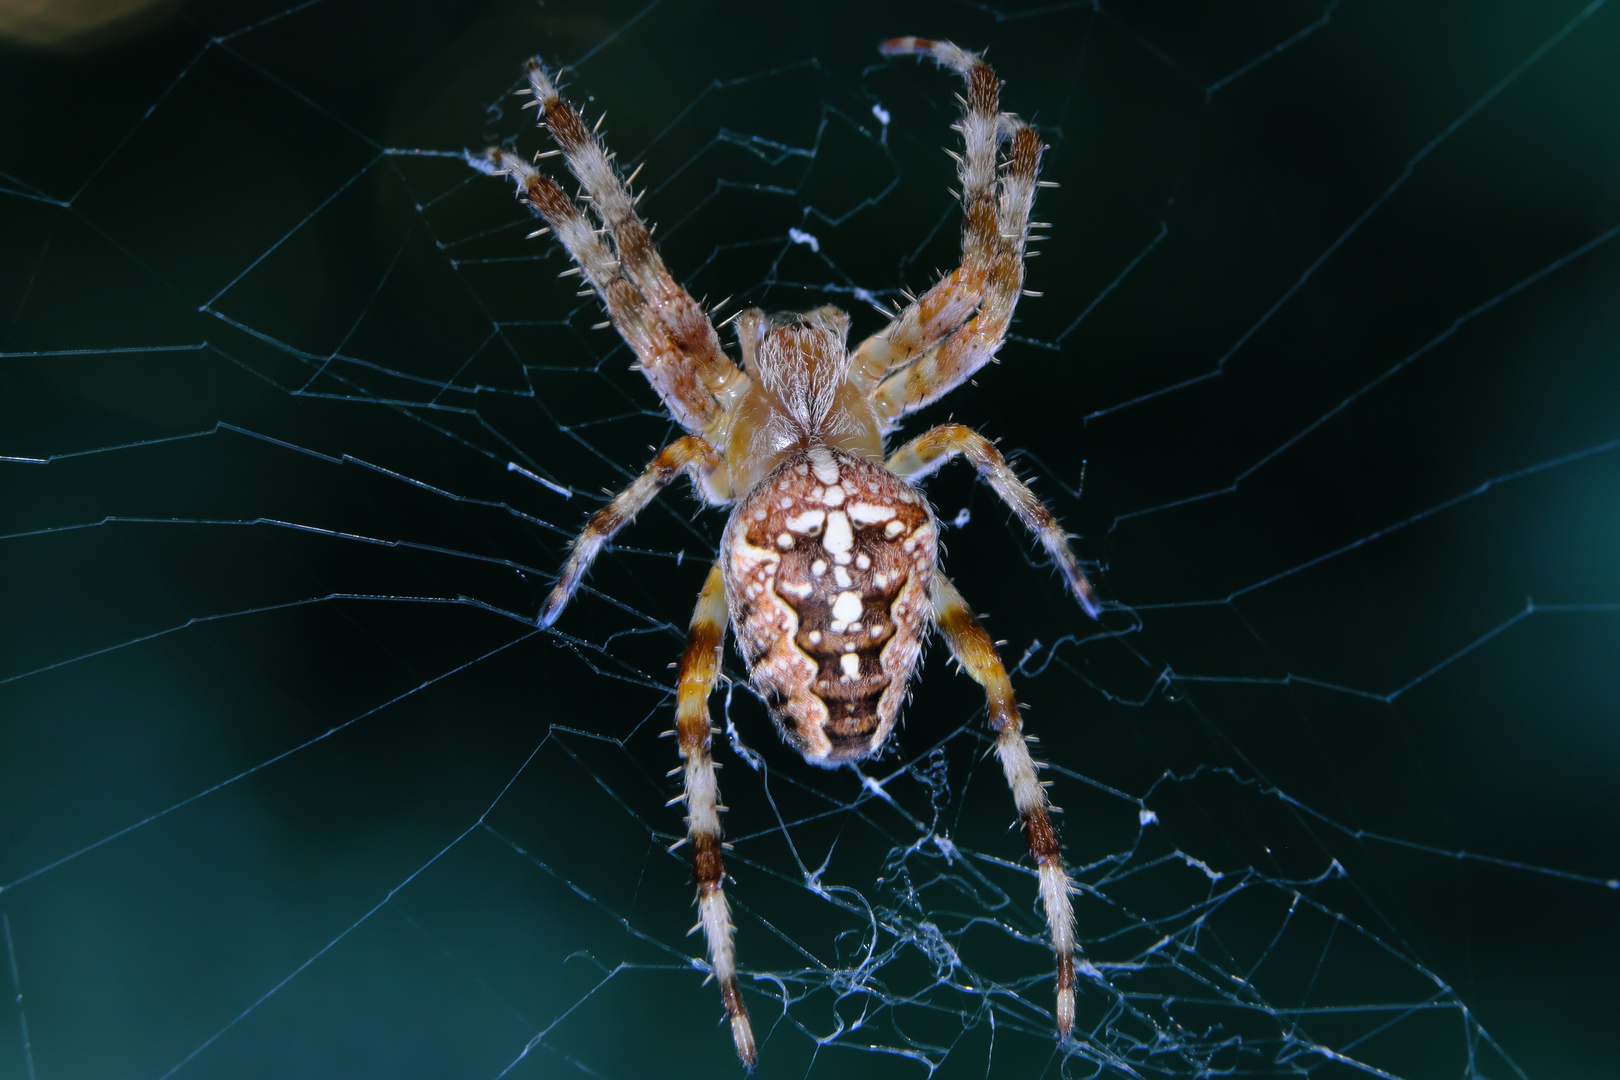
<point x="973" y="649"/>
<point x="669" y="369"/>
<point x="690" y="454"/>
<point x="953" y="299"/>
<point x="613" y="204"/>
<point x="699" y="666"/>
<point x="968" y="348"/>
<point x="929" y="451"/>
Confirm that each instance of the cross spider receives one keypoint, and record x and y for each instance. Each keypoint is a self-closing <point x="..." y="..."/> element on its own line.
<point x="827" y="567"/>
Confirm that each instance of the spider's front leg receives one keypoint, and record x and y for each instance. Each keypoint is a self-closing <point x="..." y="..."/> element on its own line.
<point x="974" y="650"/>
<point x="676" y="344"/>
<point x="690" y="454"/>
<point x="927" y="452"/>
<point x="700" y="664"/>
<point x="950" y="363"/>
<point x="953" y="298"/>
<point x="955" y="328"/>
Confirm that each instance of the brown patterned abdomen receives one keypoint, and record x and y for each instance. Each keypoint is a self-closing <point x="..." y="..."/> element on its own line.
<point x="827" y="566"/>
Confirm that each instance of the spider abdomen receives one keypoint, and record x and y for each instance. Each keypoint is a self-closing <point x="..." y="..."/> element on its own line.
<point x="827" y="565"/>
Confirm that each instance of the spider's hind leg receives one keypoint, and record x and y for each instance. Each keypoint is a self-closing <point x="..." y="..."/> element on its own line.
<point x="700" y="664"/>
<point x="974" y="650"/>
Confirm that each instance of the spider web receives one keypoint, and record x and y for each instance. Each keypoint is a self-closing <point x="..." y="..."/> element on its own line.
<point x="297" y="427"/>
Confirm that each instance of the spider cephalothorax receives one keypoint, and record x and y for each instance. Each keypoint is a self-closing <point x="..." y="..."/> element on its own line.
<point x="828" y="568"/>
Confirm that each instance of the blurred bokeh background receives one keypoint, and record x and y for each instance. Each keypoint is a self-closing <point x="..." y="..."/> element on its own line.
<point x="1325" y="379"/>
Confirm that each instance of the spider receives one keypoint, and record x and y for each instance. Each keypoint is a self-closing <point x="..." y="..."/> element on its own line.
<point x="828" y="566"/>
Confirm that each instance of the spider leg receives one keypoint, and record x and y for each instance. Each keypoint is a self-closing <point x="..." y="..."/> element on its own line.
<point x="933" y="448"/>
<point x="972" y="648"/>
<point x="676" y="343"/>
<point x="994" y="232"/>
<point x="615" y="207"/>
<point x="699" y="666"/>
<point x="685" y="387"/>
<point x="966" y="349"/>
<point x="689" y="454"/>
<point x="952" y="300"/>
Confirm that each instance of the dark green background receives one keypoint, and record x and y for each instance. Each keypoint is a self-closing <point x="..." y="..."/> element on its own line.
<point x="183" y="594"/>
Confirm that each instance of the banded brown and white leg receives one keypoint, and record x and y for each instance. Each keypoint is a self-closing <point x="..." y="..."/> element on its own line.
<point x="699" y="666"/>
<point x="973" y="649"/>
<point x="954" y="297"/>
<point x="615" y="207"/>
<point x="690" y="454"/>
<point x="686" y="387"/>
<point x="989" y="217"/>
<point x="945" y="366"/>
<point x="929" y="451"/>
